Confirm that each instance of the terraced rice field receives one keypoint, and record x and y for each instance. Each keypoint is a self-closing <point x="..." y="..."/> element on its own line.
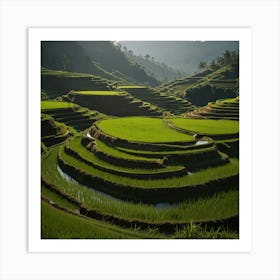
<point x="51" y="105"/>
<point x="139" y="177"/>
<point x="99" y="92"/>
<point x="52" y="132"/>
<point x="114" y="103"/>
<point x="70" y="114"/>
<point x="221" y="109"/>
<point x="125" y="157"/>
<point x="171" y="104"/>
<point x="55" y="83"/>
<point x="217" y="129"/>
<point x="141" y="129"/>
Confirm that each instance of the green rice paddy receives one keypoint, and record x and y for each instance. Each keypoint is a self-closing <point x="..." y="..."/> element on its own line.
<point x="142" y="129"/>
<point x="58" y="224"/>
<point x="203" y="176"/>
<point x="131" y="86"/>
<point x="128" y="172"/>
<point x="90" y="157"/>
<point x="49" y="105"/>
<point x="207" y="126"/>
<point x="224" y="204"/>
<point x="100" y="92"/>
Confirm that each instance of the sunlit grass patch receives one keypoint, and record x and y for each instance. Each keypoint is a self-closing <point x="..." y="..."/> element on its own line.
<point x="142" y="129"/>
<point x="207" y="126"/>
<point x="100" y="92"/>
<point x="52" y="104"/>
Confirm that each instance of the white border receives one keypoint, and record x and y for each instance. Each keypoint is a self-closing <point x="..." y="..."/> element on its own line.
<point x="243" y="35"/>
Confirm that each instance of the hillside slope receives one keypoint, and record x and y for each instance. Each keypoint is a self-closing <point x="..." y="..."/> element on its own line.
<point x="160" y="71"/>
<point x="94" y="57"/>
<point x="206" y="86"/>
<point x="57" y="83"/>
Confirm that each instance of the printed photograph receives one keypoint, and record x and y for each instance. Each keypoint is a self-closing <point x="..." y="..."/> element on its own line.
<point x="139" y="139"/>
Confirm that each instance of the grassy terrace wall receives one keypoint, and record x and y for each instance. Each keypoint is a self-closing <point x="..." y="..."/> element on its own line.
<point x="113" y="103"/>
<point x="125" y="161"/>
<point x="184" y="152"/>
<point x="110" y="169"/>
<point x="147" y="195"/>
<point x="167" y="103"/>
<point x="203" y="94"/>
<point x="221" y="109"/>
<point x="57" y="83"/>
<point x="159" y="173"/>
<point x="52" y="132"/>
<point x="70" y="114"/>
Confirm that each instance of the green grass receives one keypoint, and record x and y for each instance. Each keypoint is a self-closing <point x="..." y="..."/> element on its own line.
<point x="210" y="127"/>
<point x="119" y="154"/>
<point x="142" y="129"/>
<point x="230" y="100"/>
<point x="199" y="150"/>
<point x="64" y="73"/>
<point x="57" y="224"/>
<point x="218" y="206"/>
<point x="101" y="92"/>
<point x="49" y="105"/>
<point x="56" y="198"/>
<point x="198" y="231"/>
<point x="76" y="146"/>
<point x="131" y="86"/>
<point x="199" y="177"/>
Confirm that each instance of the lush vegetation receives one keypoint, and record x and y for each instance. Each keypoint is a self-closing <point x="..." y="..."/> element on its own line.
<point x="212" y="173"/>
<point x="131" y="87"/>
<point x="103" y="59"/>
<point x="207" y="126"/>
<point x="159" y="70"/>
<point x="57" y="224"/>
<point x="217" y="206"/>
<point x="50" y="104"/>
<point x="142" y="130"/>
<point x="120" y="159"/>
<point x="55" y="83"/>
<point x="103" y="92"/>
<point x="216" y="82"/>
<point x="168" y="103"/>
<point x="221" y="109"/>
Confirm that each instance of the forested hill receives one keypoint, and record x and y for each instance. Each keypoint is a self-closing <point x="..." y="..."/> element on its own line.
<point x="160" y="70"/>
<point x="100" y="58"/>
<point x="218" y="79"/>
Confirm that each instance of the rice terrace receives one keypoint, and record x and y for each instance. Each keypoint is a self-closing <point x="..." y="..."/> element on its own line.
<point x="135" y="148"/>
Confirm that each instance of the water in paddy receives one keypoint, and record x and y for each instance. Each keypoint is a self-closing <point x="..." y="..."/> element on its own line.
<point x="71" y="180"/>
<point x="198" y="142"/>
<point x="201" y="142"/>
<point x="89" y="136"/>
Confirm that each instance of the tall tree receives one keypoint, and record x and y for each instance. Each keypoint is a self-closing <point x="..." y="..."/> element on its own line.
<point x="227" y="57"/>
<point x="202" y="65"/>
